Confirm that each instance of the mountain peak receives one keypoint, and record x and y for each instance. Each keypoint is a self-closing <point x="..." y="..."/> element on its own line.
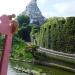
<point x="34" y="13"/>
<point x="33" y="0"/>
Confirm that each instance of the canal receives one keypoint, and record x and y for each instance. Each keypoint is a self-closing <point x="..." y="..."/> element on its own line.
<point x="37" y="69"/>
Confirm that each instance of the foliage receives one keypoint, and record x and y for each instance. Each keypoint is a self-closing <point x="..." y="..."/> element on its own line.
<point x="34" y="31"/>
<point x="19" y="48"/>
<point x="57" y="33"/>
<point x="32" y="48"/>
<point x="23" y="20"/>
<point x="24" y="27"/>
<point x="37" y="55"/>
<point x="24" y="33"/>
<point x="1" y="42"/>
<point x="70" y="34"/>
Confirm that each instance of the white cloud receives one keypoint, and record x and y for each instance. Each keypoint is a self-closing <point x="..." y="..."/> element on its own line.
<point x="42" y="2"/>
<point x="12" y="6"/>
<point x="49" y="14"/>
<point x="48" y="7"/>
<point x="65" y="8"/>
<point x="46" y="14"/>
<point x="61" y="8"/>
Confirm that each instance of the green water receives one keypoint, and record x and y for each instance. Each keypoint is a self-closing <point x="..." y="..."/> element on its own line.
<point x="41" y="69"/>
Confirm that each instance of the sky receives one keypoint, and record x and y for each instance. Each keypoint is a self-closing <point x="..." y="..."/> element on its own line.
<point x="49" y="8"/>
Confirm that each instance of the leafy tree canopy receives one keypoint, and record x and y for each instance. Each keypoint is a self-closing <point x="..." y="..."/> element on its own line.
<point x="23" y="20"/>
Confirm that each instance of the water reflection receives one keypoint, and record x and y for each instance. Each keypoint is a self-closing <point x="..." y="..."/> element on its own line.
<point x="11" y="71"/>
<point x="39" y="69"/>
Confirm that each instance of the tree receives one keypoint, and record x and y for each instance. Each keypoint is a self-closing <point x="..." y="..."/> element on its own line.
<point x="35" y="29"/>
<point x="58" y="34"/>
<point x="23" y="20"/>
<point x="24" y="33"/>
<point x="24" y="27"/>
<point x="70" y="34"/>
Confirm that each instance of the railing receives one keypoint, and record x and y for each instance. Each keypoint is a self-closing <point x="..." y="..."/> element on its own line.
<point x="58" y="55"/>
<point x="59" y="58"/>
<point x="57" y="52"/>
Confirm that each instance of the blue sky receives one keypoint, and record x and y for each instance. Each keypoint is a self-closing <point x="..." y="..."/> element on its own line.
<point x="57" y="7"/>
<point x="48" y="8"/>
